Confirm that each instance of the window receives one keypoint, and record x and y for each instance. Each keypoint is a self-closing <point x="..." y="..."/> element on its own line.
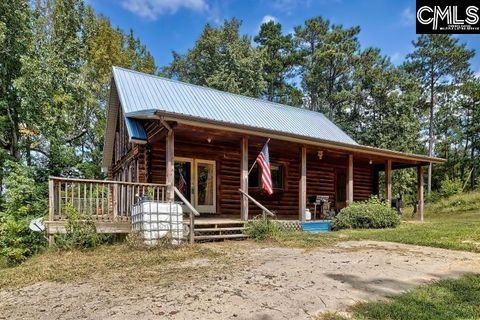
<point x="255" y="178"/>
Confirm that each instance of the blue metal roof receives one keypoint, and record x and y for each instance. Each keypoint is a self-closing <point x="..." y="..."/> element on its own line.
<point x="135" y="129"/>
<point x="142" y="94"/>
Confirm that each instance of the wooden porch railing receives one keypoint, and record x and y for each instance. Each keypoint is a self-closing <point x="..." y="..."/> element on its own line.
<point x="265" y="211"/>
<point x="192" y="214"/>
<point x="103" y="200"/>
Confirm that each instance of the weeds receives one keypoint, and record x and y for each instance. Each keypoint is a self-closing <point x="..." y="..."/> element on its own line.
<point x="262" y="228"/>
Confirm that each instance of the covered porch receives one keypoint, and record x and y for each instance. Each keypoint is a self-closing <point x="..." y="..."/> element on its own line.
<point x="210" y="166"/>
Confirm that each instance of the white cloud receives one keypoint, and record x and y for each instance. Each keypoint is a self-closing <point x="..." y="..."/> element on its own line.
<point x="268" y="18"/>
<point x="477" y="74"/>
<point x="152" y="9"/>
<point x="408" y="17"/>
<point x="396" y="57"/>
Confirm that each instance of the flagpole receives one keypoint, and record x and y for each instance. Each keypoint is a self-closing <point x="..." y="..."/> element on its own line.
<point x="251" y="168"/>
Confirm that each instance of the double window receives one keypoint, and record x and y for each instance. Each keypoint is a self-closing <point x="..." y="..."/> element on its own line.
<point x="277" y="171"/>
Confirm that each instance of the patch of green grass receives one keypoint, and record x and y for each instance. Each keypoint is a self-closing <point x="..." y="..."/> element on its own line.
<point x="458" y="231"/>
<point x="443" y="300"/>
<point x="455" y="204"/>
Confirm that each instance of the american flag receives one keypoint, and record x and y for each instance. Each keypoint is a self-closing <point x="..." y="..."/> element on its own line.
<point x="263" y="161"/>
<point x="182" y="183"/>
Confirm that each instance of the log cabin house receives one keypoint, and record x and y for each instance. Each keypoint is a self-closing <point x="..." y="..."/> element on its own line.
<point x="197" y="145"/>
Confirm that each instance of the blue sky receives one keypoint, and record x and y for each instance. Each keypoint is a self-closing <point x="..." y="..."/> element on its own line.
<point x="166" y="25"/>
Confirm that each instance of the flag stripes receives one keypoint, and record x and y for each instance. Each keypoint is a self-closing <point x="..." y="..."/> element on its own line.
<point x="263" y="160"/>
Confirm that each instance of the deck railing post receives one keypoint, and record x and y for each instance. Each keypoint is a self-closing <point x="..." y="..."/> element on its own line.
<point x="192" y="228"/>
<point x="115" y="202"/>
<point x="51" y="202"/>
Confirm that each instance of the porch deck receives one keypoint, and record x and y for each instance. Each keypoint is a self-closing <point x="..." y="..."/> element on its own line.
<point x="110" y="204"/>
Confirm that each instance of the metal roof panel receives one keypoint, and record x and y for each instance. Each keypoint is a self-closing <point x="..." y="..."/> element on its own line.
<point x="140" y="92"/>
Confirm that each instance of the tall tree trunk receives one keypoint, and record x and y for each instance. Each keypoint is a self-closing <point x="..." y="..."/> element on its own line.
<point x="15" y="136"/>
<point x="473" y="176"/>
<point x="430" y="131"/>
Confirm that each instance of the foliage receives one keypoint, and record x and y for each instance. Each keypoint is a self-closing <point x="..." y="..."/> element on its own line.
<point x="329" y="54"/>
<point x="81" y="232"/>
<point x="221" y="59"/>
<point x="367" y="214"/>
<point x="56" y="59"/>
<point x="441" y="64"/>
<point x="262" y="228"/>
<point x="24" y="200"/>
<point x="451" y="187"/>
<point x="280" y="59"/>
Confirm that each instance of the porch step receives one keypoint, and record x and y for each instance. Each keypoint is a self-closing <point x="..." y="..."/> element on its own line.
<point x="221" y="236"/>
<point x="212" y="229"/>
<point x="219" y="229"/>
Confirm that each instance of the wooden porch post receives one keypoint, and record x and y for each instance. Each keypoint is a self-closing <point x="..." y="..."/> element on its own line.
<point x="170" y="155"/>
<point x="51" y="210"/>
<point x="420" y="192"/>
<point x="244" y="178"/>
<point x="302" y="190"/>
<point x="388" y="181"/>
<point x="350" y="180"/>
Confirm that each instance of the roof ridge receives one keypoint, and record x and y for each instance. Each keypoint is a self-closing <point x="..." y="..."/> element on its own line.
<point x="277" y="104"/>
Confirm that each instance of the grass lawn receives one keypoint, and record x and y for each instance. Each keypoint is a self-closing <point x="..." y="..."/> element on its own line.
<point x="443" y="300"/>
<point x="454" y="230"/>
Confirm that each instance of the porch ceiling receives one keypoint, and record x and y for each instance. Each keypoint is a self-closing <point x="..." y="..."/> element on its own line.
<point x="201" y="135"/>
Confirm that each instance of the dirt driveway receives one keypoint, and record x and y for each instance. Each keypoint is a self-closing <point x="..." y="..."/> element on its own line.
<point x="254" y="282"/>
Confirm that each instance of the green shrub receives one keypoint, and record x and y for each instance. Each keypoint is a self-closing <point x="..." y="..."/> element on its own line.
<point x="24" y="200"/>
<point x="261" y="228"/>
<point x="81" y="232"/>
<point x="366" y="214"/>
<point x="450" y="187"/>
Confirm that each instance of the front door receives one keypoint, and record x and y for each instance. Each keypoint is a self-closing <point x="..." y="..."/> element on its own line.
<point x="196" y="180"/>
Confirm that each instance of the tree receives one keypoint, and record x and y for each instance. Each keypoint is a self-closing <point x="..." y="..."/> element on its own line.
<point x="280" y="59"/>
<point x="15" y="37"/>
<point x="64" y="85"/>
<point x="437" y="61"/>
<point x="385" y="109"/>
<point x="221" y="59"/>
<point x="329" y="54"/>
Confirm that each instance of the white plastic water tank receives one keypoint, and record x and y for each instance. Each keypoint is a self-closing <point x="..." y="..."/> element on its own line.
<point x="155" y="220"/>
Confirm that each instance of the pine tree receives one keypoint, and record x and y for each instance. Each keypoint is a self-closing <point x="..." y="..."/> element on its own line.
<point x="280" y="59"/>
<point x="329" y="54"/>
<point x="221" y="59"/>
<point x="437" y="61"/>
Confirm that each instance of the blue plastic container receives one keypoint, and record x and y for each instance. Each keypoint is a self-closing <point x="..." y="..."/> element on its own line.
<point x="317" y="226"/>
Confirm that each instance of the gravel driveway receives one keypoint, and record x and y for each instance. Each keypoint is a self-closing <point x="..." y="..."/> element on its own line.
<point x="255" y="282"/>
